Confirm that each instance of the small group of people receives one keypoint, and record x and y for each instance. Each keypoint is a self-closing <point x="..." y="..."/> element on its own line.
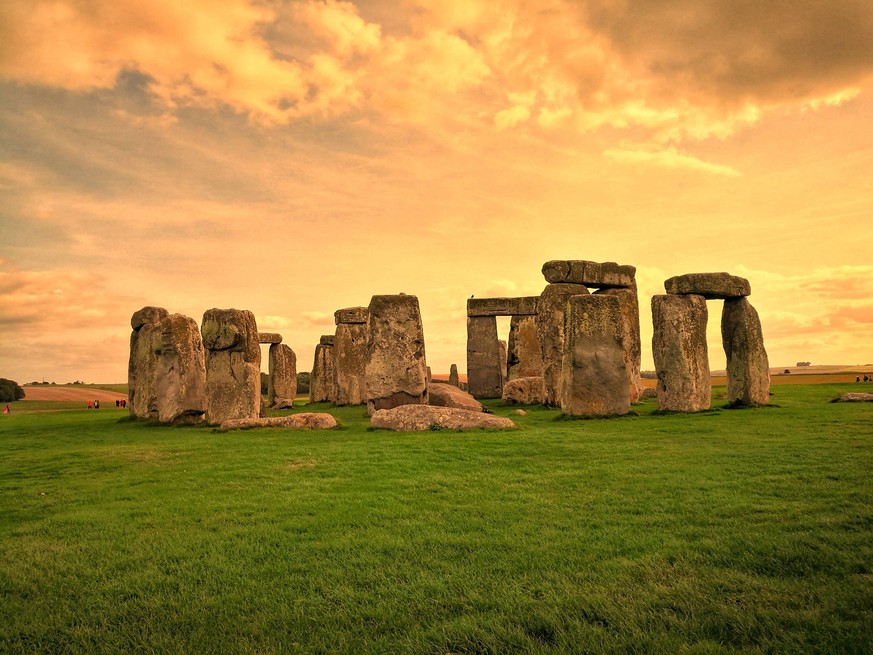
<point x="121" y="403"/>
<point x="867" y="378"/>
<point x="95" y="404"/>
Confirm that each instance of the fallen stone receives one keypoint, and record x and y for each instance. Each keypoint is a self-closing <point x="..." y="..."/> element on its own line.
<point x="305" y="420"/>
<point x="350" y="315"/>
<point x="181" y="371"/>
<point x="442" y="394"/>
<point x="145" y="342"/>
<point x="233" y="365"/>
<point x="322" y="378"/>
<point x="523" y="391"/>
<point x="599" y="275"/>
<point x="595" y="373"/>
<point x="712" y="286"/>
<point x="648" y="392"/>
<point x="520" y="412"/>
<point x="524" y="357"/>
<point x="680" y="353"/>
<point x="748" y="368"/>
<point x="550" y="335"/>
<point x="484" y="378"/>
<point x="418" y="418"/>
<point x="526" y="306"/>
<point x="350" y="363"/>
<point x="282" y="377"/>
<point x="396" y="371"/>
<point x="269" y="337"/>
<point x="855" y="397"/>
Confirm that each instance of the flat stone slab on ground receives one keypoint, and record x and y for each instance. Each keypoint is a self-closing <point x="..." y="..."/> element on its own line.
<point x="443" y="394"/>
<point x="418" y="418"/>
<point x="525" y="306"/>
<point x="305" y="420"/>
<point x="855" y="397"/>
<point x="600" y="275"/>
<point x="712" y="286"/>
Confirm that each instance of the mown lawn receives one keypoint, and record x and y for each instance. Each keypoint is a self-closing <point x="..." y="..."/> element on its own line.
<point x="728" y="531"/>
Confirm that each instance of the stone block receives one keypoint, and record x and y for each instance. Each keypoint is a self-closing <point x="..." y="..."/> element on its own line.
<point x="712" y="286"/>
<point x="680" y="352"/>
<point x="525" y="306"/>
<point x="598" y="275"/>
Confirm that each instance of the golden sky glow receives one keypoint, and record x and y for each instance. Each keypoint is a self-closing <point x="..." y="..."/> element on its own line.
<point x="293" y="158"/>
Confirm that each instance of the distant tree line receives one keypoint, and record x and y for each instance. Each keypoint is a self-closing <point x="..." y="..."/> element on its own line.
<point x="10" y="391"/>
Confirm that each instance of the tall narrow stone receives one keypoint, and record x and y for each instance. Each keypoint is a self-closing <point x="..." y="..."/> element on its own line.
<point x="551" y="314"/>
<point x="595" y="375"/>
<point x="525" y="359"/>
<point x="748" y="369"/>
<point x="454" y="380"/>
<point x="504" y="358"/>
<point x="282" y="379"/>
<point x="322" y="379"/>
<point x="233" y="365"/>
<point x="145" y="342"/>
<point x="350" y="363"/>
<point x="396" y="371"/>
<point x="630" y="322"/>
<point x="484" y="378"/>
<point x="181" y="371"/>
<point x="680" y="353"/>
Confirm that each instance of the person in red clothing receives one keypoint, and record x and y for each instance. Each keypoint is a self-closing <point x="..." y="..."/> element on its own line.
<point x="89" y="404"/>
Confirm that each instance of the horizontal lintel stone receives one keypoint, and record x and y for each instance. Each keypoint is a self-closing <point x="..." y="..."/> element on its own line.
<point x="525" y="306"/>
<point x="600" y="275"/>
<point x="351" y="315"/>
<point x="326" y="340"/>
<point x="269" y="337"/>
<point x="712" y="286"/>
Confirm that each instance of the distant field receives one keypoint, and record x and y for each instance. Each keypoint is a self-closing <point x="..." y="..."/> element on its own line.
<point x="720" y="532"/>
<point x="77" y="393"/>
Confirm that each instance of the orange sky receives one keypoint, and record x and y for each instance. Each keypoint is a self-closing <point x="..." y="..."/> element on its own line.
<point x="293" y="158"/>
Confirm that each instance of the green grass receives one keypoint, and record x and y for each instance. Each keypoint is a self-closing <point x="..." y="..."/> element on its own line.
<point x="728" y="531"/>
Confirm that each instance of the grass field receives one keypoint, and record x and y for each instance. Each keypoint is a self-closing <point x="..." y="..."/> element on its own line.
<point x="727" y="531"/>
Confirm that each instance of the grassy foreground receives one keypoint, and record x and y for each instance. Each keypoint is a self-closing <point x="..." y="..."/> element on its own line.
<point x="745" y="530"/>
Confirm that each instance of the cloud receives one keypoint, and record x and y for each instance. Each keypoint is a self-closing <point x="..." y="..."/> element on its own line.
<point x="669" y="158"/>
<point x="319" y="318"/>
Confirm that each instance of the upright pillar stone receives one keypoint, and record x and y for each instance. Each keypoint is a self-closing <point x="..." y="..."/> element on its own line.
<point x="630" y="321"/>
<point x="484" y="379"/>
<point x="454" y="380"/>
<point x="680" y="353"/>
<point x="322" y="380"/>
<point x="595" y="374"/>
<point x="282" y="379"/>
<point x="350" y="355"/>
<point x="525" y="359"/>
<point x="233" y="365"/>
<point x="181" y="371"/>
<point x="551" y="314"/>
<point x="504" y="359"/>
<point x="748" y="369"/>
<point x="145" y="342"/>
<point x="396" y="371"/>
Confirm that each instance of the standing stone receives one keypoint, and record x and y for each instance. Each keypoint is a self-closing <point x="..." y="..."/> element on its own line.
<point x="630" y="322"/>
<point x="282" y="379"/>
<point x="181" y="371"/>
<point x="595" y="374"/>
<point x="322" y="379"/>
<point x="504" y="357"/>
<point x="748" y="369"/>
<point x="453" y="376"/>
<point x="524" y="359"/>
<point x="484" y="378"/>
<point x="679" y="350"/>
<point x="396" y="371"/>
<point x="233" y="365"/>
<point x="551" y="313"/>
<point x="350" y="363"/>
<point x="145" y="342"/>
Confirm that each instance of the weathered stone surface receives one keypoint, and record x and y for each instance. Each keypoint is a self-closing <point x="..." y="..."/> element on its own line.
<point x="282" y="376"/>
<point x="523" y="391"/>
<point x="595" y="375"/>
<point x="350" y="363"/>
<point x="525" y="306"/>
<point x="680" y="352"/>
<point x="351" y="315"/>
<point x="711" y="286"/>
<point x="748" y="369"/>
<point x="396" y="371"/>
<point x="855" y="397"/>
<point x="630" y="322"/>
<point x="504" y="356"/>
<point x="269" y="337"/>
<point x="454" y="380"/>
<point x="181" y="371"/>
<point x="326" y="339"/>
<point x="484" y="378"/>
<point x="524" y="357"/>
<point x="600" y="275"/>
<point x="551" y="315"/>
<point x="233" y="364"/>
<point x="417" y="418"/>
<point x="322" y="378"/>
<point x="648" y="392"/>
<point x="145" y="342"/>
<point x="305" y="420"/>
<point x="442" y="394"/>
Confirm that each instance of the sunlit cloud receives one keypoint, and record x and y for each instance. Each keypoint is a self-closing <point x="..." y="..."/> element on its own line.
<point x="669" y="158"/>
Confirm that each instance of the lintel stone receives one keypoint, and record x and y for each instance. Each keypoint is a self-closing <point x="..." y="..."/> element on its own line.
<point x="350" y="315"/>
<point x="712" y="286"/>
<point x="269" y="337"/>
<point x="525" y="306"/>
<point x="326" y="340"/>
<point x="600" y="275"/>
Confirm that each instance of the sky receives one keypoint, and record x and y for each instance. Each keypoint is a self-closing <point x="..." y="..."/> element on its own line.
<point x="293" y="158"/>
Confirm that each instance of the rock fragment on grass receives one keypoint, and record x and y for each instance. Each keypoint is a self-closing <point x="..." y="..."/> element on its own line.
<point x="304" y="420"/>
<point x="418" y="418"/>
